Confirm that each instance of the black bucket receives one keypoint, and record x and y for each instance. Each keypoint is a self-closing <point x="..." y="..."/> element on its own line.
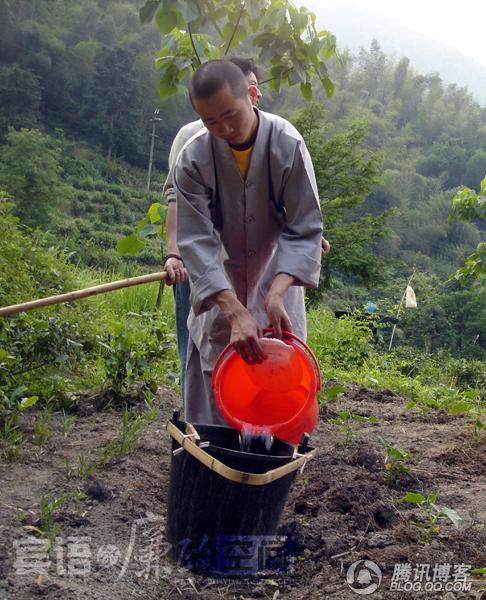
<point x="225" y="505"/>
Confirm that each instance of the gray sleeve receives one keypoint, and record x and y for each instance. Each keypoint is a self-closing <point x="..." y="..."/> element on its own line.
<point x="197" y="239"/>
<point x="183" y="135"/>
<point x="169" y="190"/>
<point x="299" y="245"/>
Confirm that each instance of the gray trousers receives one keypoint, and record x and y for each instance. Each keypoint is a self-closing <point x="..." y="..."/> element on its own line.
<point x="199" y="403"/>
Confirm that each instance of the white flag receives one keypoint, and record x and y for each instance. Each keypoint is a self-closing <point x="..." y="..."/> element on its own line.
<point x="410" y="300"/>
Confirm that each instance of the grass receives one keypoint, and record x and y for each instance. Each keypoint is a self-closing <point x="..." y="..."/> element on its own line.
<point x="346" y="353"/>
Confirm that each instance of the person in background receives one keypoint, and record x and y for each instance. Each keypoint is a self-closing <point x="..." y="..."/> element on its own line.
<point x="249" y="228"/>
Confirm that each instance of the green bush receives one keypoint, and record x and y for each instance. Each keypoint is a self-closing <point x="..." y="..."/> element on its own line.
<point x="86" y="183"/>
<point x="470" y="374"/>
<point x="28" y="269"/>
<point x="338" y="343"/>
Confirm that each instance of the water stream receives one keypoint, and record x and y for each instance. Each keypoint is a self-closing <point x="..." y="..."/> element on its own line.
<point x="256" y="439"/>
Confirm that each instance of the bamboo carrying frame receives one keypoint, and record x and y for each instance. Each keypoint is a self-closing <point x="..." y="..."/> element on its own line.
<point x="186" y="442"/>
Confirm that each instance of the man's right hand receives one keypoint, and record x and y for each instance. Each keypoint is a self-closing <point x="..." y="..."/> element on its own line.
<point x="245" y="331"/>
<point x="176" y="272"/>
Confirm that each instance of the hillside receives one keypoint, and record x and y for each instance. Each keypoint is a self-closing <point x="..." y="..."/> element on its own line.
<point x="357" y="28"/>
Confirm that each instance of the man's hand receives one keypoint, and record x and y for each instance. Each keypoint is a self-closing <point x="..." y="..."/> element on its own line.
<point x="274" y="304"/>
<point x="176" y="272"/>
<point x="325" y="247"/>
<point x="245" y="331"/>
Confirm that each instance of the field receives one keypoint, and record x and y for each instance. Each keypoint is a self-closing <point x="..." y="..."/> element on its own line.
<point x="104" y="492"/>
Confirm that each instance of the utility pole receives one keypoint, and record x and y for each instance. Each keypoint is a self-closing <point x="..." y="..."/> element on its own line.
<point x="155" y="118"/>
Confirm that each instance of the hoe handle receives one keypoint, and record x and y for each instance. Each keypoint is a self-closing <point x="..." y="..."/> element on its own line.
<point x="84" y="293"/>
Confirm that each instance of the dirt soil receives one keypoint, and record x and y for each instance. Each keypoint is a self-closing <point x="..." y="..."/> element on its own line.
<point x="340" y="511"/>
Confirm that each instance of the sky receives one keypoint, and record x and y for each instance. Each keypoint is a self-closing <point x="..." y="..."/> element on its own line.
<point x="459" y="24"/>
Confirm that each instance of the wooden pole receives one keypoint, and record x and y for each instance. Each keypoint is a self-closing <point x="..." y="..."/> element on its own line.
<point x="84" y="293"/>
<point x="399" y="309"/>
<point x="155" y="118"/>
<point x="151" y="157"/>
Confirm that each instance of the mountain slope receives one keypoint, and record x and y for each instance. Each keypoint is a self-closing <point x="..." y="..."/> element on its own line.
<point x="356" y="28"/>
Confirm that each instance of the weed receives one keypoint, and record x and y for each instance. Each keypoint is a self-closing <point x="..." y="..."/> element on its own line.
<point x="395" y="459"/>
<point x="12" y="442"/>
<point x="132" y="427"/>
<point x="125" y="361"/>
<point x="68" y="470"/>
<point x="85" y="468"/>
<point x="67" y="423"/>
<point x="41" y="428"/>
<point x="473" y="408"/>
<point x="329" y="394"/>
<point x="478" y="427"/>
<point x="11" y="406"/>
<point x="433" y="514"/>
<point x="47" y="527"/>
<point x="345" y="421"/>
<point x="79" y="495"/>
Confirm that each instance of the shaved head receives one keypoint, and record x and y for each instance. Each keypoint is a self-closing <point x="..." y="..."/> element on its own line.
<point x="211" y="76"/>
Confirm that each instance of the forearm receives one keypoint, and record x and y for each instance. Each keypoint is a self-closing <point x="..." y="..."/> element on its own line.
<point x="229" y="304"/>
<point x="171" y="228"/>
<point x="281" y="284"/>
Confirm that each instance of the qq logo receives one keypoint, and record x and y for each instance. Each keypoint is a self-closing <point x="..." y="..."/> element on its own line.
<point x="364" y="577"/>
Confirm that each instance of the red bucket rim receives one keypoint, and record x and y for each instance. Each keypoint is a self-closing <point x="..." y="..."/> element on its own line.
<point x="230" y="351"/>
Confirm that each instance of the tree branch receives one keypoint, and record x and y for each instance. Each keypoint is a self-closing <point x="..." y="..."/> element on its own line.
<point x="234" y="30"/>
<point x="286" y="72"/>
<point x="193" y="45"/>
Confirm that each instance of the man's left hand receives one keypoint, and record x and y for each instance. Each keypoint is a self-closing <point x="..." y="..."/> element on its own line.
<point x="277" y="315"/>
<point x="325" y="247"/>
<point x="274" y="304"/>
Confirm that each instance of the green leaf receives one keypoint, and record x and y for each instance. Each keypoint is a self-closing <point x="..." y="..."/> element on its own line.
<point x="131" y="244"/>
<point x="166" y="21"/>
<point x="306" y="90"/>
<point x="168" y="82"/>
<point x="148" y="10"/>
<point x="161" y="61"/>
<point x="17" y="392"/>
<point x="459" y="407"/>
<point x="148" y="230"/>
<point x="166" y="91"/>
<point x="28" y="402"/>
<point x="413" y="497"/>
<point x="293" y="77"/>
<point x="189" y="10"/>
<point x="254" y="8"/>
<point x="328" y="86"/>
<point x="451" y="514"/>
<point x="480" y="571"/>
<point x="154" y="212"/>
<point x="333" y="392"/>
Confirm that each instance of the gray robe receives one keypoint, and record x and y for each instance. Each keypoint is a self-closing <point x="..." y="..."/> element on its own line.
<point x="236" y="233"/>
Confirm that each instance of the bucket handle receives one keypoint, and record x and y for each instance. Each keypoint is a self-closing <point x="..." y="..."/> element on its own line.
<point x="291" y="336"/>
<point x="234" y="475"/>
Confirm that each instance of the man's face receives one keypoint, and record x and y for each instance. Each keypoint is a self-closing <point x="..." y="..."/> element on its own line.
<point x="228" y="117"/>
<point x="255" y="93"/>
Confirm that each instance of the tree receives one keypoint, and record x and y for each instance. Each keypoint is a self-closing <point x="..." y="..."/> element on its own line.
<point x="30" y="171"/>
<point x="469" y="206"/>
<point x="21" y="95"/>
<point x="346" y="171"/>
<point x="285" y="38"/>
